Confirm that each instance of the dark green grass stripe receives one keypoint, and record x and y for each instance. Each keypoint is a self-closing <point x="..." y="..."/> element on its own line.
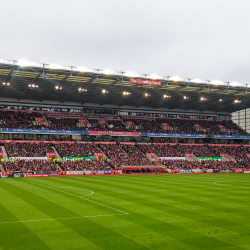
<point x="86" y="228"/>
<point x="17" y="236"/>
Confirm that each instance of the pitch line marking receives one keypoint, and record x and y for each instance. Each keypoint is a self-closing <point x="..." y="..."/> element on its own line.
<point x="81" y="197"/>
<point x="91" y="192"/>
<point x="66" y="218"/>
<point x="221" y="184"/>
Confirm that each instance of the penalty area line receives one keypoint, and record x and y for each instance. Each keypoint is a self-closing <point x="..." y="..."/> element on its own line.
<point x="53" y="219"/>
<point x="81" y="197"/>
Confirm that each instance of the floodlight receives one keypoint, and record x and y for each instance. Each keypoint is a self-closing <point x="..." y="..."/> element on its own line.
<point x="166" y="96"/>
<point x="108" y="72"/>
<point x="154" y="77"/>
<point x="104" y="91"/>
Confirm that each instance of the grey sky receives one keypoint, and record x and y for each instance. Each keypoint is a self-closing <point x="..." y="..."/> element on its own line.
<point x="207" y="39"/>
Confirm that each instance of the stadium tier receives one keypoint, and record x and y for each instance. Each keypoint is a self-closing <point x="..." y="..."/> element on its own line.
<point x="78" y="156"/>
<point x="76" y="123"/>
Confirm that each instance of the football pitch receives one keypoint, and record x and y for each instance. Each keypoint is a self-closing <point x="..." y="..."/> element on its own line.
<point x="126" y="212"/>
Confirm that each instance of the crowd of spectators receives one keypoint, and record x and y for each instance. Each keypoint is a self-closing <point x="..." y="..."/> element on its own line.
<point x="62" y="124"/>
<point x="96" y="125"/>
<point x="147" y="125"/>
<point x="20" y="166"/>
<point x="21" y="120"/>
<point x="77" y="150"/>
<point x="84" y="165"/>
<point x="28" y="149"/>
<point x="221" y="165"/>
<point x="116" y="125"/>
<point x="27" y="120"/>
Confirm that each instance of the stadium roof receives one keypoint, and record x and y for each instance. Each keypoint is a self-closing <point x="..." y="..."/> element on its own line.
<point x="219" y="97"/>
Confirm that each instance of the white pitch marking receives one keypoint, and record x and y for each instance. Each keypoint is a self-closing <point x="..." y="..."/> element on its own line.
<point x="91" y="192"/>
<point x="80" y="197"/>
<point x="221" y="184"/>
<point x="66" y="218"/>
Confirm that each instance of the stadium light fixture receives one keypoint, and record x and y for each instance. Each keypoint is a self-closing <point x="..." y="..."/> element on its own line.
<point x="217" y="82"/>
<point x="237" y="101"/>
<point x="126" y="93"/>
<point x="130" y="74"/>
<point x="203" y="99"/>
<point x="166" y="96"/>
<point x="6" y="84"/>
<point x="108" y="72"/>
<point x="25" y="63"/>
<point x="55" y="66"/>
<point x="81" y="90"/>
<point x="237" y="84"/>
<point x="104" y="91"/>
<point x="32" y="86"/>
<point x="154" y="77"/>
<point x="175" y="78"/>
<point x="196" y="80"/>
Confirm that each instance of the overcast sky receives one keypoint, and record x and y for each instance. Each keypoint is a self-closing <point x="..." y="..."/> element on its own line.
<point x="207" y="39"/>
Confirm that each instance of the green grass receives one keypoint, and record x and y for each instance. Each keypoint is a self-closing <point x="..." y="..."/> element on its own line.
<point x="126" y="212"/>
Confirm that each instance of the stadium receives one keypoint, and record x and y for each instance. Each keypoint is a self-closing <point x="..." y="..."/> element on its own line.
<point x="147" y="162"/>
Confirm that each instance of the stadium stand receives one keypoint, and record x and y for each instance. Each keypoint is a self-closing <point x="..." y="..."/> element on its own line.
<point x="28" y="149"/>
<point x="77" y="149"/>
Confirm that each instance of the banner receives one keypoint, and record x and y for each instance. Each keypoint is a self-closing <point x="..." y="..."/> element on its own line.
<point x="209" y="170"/>
<point x="238" y="170"/>
<point x="129" y="123"/>
<point x="102" y="122"/>
<point x="82" y="121"/>
<point x="29" y="141"/>
<point x="99" y="155"/>
<point x="44" y="131"/>
<point x="78" y="172"/>
<point x="147" y="82"/>
<point x="28" y="158"/>
<point x="231" y="136"/>
<point x="1" y="154"/>
<point x="127" y="143"/>
<point x="124" y="133"/>
<point x="80" y="158"/>
<point x="209" y="159"/>
<point x="39" y="119"/>
<point x="98" y="132"/>
<point x="151" y="154"/>
<point x="51" y="155"/>
<point x="35" y="175"/>
<point x="197" y="170"/>
<point x="172" y="135"/>
<point x="105" y="142"/>
<point x="189" y="155"/>
<point x="171" y="158"/>
<point x="185" y="170"/>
